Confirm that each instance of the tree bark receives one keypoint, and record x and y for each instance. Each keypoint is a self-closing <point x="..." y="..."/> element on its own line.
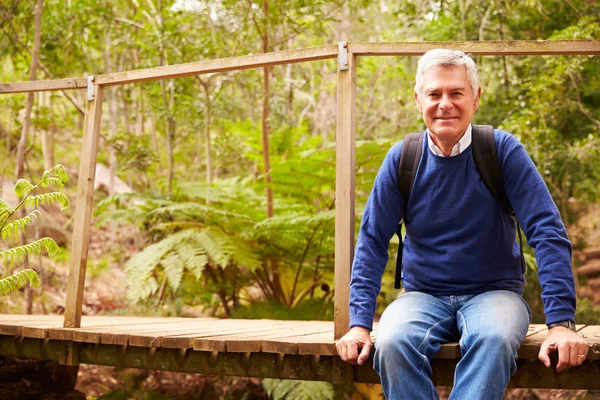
<point x="112" y="113"/>
<point x="207" y="140"/>
<point x="21" y="147"/>
<point x="29" y="104"/>
<point x="47" y="135"/>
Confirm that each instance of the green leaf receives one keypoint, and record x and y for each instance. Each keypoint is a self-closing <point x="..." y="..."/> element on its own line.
<point x="18" y="280"/>
<point x="298" y="390"/>
<point x="16" y="254"/>
<point x="23" y="188"/>
<point x="11" y="230"/>
<point x="48" y="199"/>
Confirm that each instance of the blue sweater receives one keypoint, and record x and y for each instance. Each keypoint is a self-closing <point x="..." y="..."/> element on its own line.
<point x="458" y="239"/>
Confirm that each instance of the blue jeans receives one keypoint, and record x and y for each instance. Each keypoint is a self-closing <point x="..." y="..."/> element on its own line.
<point x="489" y="328"/>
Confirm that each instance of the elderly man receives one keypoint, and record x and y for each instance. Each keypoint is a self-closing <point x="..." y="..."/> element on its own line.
<point x="461" y="267"/>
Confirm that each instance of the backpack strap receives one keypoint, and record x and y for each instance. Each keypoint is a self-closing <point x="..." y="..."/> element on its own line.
<point x="486" y="160"/>
<point x="412" y="149"/>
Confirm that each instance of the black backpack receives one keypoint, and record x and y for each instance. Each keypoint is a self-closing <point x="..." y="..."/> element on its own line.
<point x="486" y="160"/>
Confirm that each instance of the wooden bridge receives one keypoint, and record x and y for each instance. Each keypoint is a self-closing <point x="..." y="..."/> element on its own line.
<point x="255" y="348"/>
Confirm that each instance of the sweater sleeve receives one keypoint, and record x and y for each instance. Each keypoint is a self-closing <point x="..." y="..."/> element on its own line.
<point x="380" y="221"/>
<point x="542" y="225"/>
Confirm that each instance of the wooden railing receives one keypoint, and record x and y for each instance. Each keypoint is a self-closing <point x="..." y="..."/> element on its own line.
<point x="346" y="54"/>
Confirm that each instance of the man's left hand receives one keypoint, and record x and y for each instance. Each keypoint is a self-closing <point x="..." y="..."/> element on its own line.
<point x="572" y="348"/>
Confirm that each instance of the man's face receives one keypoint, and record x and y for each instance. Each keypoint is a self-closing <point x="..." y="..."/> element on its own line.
<point x="447" y="102"/>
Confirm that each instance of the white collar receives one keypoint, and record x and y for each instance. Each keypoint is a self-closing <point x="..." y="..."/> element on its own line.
<point x="458" y="148"/>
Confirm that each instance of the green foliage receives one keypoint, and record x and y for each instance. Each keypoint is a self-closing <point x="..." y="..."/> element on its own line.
<point x="18" y="253"/>
<point x="298" y="390"/>
<point x="18" y="280"/>
<point x="187" y="250"/>
<point x="11" y="227"/>
<point x="587" y="312"/>
<point x="319" y="309"/>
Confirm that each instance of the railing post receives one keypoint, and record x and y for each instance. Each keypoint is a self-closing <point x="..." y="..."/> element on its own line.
<point x="83" y="205"/>
<point x="344" y="185"/>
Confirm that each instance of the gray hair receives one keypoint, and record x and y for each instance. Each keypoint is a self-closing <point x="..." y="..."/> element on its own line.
<point x="445" y="58"/>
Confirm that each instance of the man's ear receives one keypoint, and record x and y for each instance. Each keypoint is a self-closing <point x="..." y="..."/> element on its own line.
<point x="418" y="102"/>
<point x="476" y="105"/>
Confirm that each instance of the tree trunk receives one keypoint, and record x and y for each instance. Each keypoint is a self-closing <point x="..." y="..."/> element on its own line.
<point x="207" y="140"/>
<point x="29" y="105"/>
<point x="112" y="114"/>
<point x="25" y="133"/>
<point x="47" y="135"/>
<point x="274" y="270"/>
<point x="170" y="136"/>
<point x="138" y="99"/>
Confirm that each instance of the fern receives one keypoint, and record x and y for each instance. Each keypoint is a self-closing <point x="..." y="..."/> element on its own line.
<point x="191" y="250"/>
<point x="11" y="230"/>
<point x="5" y="208"/>
<point x="18" y="253"/>
<point x="18" y="280"/>
<point x="23" y="188"/>
<point x="298" y="390"/>
<point x="56" y="176"/>
<point x="47" y="199"/>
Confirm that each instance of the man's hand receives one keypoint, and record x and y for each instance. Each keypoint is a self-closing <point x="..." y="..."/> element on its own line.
<point x="357" y="339"/>
<point x="572" y="348"/>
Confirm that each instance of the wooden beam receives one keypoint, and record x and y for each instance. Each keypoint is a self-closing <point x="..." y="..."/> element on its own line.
<point x="482" y="48"/>
<point x="39" y="86"/>
<point x="219" y="65"/>
<point x="83" y="209"/>
<point x="344" y="192"/>
<point x="530" y="373"/>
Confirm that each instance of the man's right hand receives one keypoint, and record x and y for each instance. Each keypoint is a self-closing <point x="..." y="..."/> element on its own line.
<point x="357" y="340"/>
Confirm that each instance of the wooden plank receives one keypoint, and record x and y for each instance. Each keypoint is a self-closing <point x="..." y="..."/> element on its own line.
<point x="591" y="333"/>
<point x="38" y="86"/>
<point x="83" y="209"/>
<point x="151" y="337"/>
<point x="123" y="335"/>
<point x="187" y="340"/>
<point x="322" y="339"/>
<point x="92" y="334"/>
<point x="220" y="65"/>
<point x="293" y="333"/>
<point x="344" y="192"/>
<point x="481" y="48"/>
<point x="219" y="342"/>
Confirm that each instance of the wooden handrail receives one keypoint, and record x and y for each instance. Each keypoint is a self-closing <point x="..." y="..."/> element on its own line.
<point x="481" y="48"/>
<point x="47" y="85"/>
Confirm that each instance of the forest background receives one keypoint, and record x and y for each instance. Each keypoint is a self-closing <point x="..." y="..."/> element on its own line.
<point x="216" y="192"/>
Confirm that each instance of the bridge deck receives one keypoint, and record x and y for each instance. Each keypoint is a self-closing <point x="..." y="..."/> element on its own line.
<point x="262" y="348"/>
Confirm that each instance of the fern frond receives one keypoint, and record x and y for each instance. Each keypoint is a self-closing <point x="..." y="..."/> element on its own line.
<point x="48" y="199"/>
<point x="139" y="268"/>
<point x="5" y="208"/>
<point x="190" y="250"/>
<point x="23" y="188"/>
<point x="169" y="227"/>
<point x="18" y="280"/>
<point x="298" y="390"/>
<point x="11" y="230"/>
<point x="18" y="253"/>
<point x="173" y="268"/>
<point x="57" y="175"/>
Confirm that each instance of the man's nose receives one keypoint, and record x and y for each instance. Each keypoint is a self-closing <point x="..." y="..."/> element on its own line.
<point x="445" y="102"/>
